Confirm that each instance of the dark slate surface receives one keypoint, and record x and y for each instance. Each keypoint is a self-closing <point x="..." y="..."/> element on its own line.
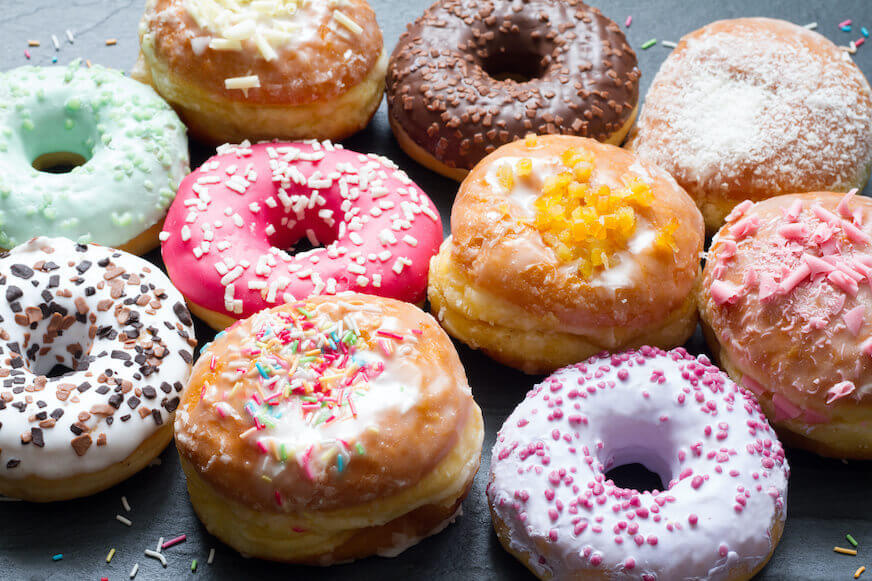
<point x="827" y="498"/>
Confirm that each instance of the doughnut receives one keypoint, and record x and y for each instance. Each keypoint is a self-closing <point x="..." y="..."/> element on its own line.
<point x="265" y="69"/>
<point x="753" y="108"/>
<point x="127" y="149"/>
<point x="228" y="238"/>
<point x="724" y="500"/>
<point x="786" y="306"/>
<point x="468" y="77"/>
<point x="95" y="347"/>
<point x="562" y="247"/>
<point x="329" y="429"/>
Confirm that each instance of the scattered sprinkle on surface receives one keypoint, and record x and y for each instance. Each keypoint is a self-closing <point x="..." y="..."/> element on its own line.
<point x="124" y="520"/>
<point x="844" y="551"/>
<point x="648" y="44"/>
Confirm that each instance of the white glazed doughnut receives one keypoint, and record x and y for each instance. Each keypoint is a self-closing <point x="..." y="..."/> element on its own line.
<point x="124" y="331"/>
<point x="724" y="506"/>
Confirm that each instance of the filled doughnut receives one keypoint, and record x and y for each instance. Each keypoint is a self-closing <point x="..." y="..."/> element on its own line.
<point x="562" y="247"/>
<point x="270" y="69"/>
<point x="468" y="77"/>
<point x="124" y="149"/>
<point x="122" y="334"/>
<point x="227" y="241"/>
<point x="328" y="430"/>
<point x="787" y="309"/>
<point x="723" y="504"/>
<point x="753" y="108"/>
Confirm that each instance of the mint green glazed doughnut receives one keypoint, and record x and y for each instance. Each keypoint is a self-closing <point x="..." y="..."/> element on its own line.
<point x="132" y="147"/>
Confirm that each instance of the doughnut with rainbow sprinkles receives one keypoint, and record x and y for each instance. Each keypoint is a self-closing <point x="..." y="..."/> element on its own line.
<point x="721" y="513"/>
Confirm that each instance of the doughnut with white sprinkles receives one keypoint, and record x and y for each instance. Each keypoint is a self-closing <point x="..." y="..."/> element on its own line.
<point x="125" y="336"/>
<point x="724" y="504"/>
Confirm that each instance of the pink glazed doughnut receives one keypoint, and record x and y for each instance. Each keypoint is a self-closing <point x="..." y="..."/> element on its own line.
<point x="228" y="237"/>
<point x="724" y="506"/>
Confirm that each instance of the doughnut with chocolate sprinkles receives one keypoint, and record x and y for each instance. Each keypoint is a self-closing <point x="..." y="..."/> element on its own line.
<point x="123" y="335"/>
<point x="468" y="77"/>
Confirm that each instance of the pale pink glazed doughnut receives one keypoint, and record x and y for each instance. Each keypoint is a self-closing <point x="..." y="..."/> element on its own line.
<point x="724" y="506"/>
<point x="787" y="310"/>
<point x="228" y="237"/>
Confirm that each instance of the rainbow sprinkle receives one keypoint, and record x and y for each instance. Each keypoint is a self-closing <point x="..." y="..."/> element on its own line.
<point x="57" y="557"/>
<point x="648" y="44"/>
<point x="851" y="540"/>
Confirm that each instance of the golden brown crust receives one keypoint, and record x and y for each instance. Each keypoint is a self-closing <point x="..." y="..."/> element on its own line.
<point x="794" y="348"/>
<point x="496" y="249"/>
<point x="403" y="450"/>
<point x="750" y="108"/>
<point x="325" y="65"/>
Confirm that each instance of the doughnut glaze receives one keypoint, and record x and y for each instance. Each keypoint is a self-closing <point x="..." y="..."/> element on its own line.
<point x="227" y="243"/>
<point x="755" y="107"/>
<point x="724" y="503"/>
<point x="125" y="335"/>
<point x="468" y="77"/>
<point x="786" y="304"/>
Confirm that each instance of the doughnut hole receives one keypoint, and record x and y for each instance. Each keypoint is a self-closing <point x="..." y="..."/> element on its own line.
<point x="68" y="352"/>
<point x="509" y="57"/>
<point x="59" y="140"/>
<point x="636" y="456"/>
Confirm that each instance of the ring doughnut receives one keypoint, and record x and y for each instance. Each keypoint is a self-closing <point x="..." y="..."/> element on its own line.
<point x="753" y="108"/>
<point x="271" y="69"/>
<point x="225" y="239"/>
<point x="124" y="335"/>
<point x="562" y="247"/>
<point x="127" y="148"/>
<point x="466" y="78"/>
<point x="723" y="508"/>
<point x="786" y="306"/>
<point x="329" y="430"/>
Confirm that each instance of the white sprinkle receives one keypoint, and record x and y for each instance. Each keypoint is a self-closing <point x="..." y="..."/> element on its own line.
<point x="668" y="43"/>
<point x="211" y="557"/>
<point x="237" y="219"/>
<point x="159" y="544"/>
<point x="266" y="50"/>
<point x="54" y="41"/>
<point x="163" y="236"/>
<point x="376" y="280"/>
<point x="242" y="31"/>
<point x="186" y="233"/>
<point x="355" y="238"/>
<point x="231" y="276"/>
<point x="156" y="555"/>
<point x="70" y="36"/>
<point x="356" y="268"/>
<point x="410" y="240"/>
<point x="811" y="25"/>
<point x="225" y="44"/>
<point x="123" y="520"/>
<point x="249" y="82"/>
<point x="362" y="281"/>
<point x="125" y="504"/>
<point x="270" y="230"/>
<point x="134" y="570"/>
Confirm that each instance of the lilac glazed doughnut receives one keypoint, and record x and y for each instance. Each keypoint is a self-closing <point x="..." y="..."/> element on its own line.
<point x="722" y="512"/>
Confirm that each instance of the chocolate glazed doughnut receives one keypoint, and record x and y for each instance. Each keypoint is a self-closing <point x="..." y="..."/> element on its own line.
<point x="469" y="76"/>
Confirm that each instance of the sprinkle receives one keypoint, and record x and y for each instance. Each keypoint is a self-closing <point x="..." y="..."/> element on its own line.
<point x="175" y="541"/>
<point x="54" y="41"/>
<point x="111" y="41"/>
<point x="57" y="557"/>
<point x="347" y="22"/>
<point x="244" y="83"/>
<point x="123" y="520"/>
<point x="648" y="44"/>
<point x="159" y="543"/>
<point x="865" y="32"/>
<point x="629" y="21"/>
<point x="125" y="504"/>
<point x="668" y="44"/>
<point x="844" y="551"/>
<point x="859" y="571"/>
<point x="851" y="539"/>
<point x="70" y="36"/>
<point x="194" y="565"/>
<point x="211" y="557"/>
<point x="110" y="555"/>
<point x="134" y="570"/>
<point x="811" y="25"/>
<point x="27" y="54"/>
<point x="845" y="28"/>
<point x="32" y="43"/>
<point x="156" y="555"/>
<point x="859" y="42"/>
<point x="845" y="23"/>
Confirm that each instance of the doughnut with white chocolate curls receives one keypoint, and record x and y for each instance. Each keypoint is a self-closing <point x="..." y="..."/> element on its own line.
<point x="124" y="341"/>
<point x="787" y="307"/>
<point x="722" y="505"/>
<point x="468" y="77"/>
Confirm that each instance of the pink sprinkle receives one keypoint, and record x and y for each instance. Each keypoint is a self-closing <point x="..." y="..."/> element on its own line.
<point x="768" y="287"/>
<point x="825" y="215"/>
<point x="817" y="265"/>
<point x="840" y="390"/>
<point x="843" y="282"/>
<point x="859" y="42"/>
<point x="630" y="563"/>
<point x="630" y="21"/>
<point x="553" y="535"/>
<point x="845" y="23"/>
<point x="794" y="278"/>
<point x="746" y="227"/>
<point x="854" y="233"/>
<point x="854" y="319"/>
<point x="784" y="408"/>
<point x="175" y="541"/>
<point x="739" y="211"/>
<point x="724" y="292"/>
<point x="213" y="362"/>
<point x="693" y="519"/>
<point x="842" y="208"/>
<point x="389" y="335"/>
<point x="794" y="211"/>
<point x="795" y="231"/>
<point x="27" y="54"/>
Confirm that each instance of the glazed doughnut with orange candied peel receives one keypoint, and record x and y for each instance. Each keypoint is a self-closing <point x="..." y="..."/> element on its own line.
<point x="787" y="309"/>
<point x="563" y="247"/>
<point x="329" y="430"/>
<point x="264" y="69"/>
<point x="753" y="108"/>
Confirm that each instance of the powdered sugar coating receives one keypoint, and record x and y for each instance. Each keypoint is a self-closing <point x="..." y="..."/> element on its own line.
<point x="755" y="107"/>
<point x="678" y="415"/>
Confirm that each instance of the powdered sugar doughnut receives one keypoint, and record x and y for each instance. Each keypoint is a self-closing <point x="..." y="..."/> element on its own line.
<point x="754" y="107"/>
<point x="722" y="512"/>
<point x="123" y="330"/>
<point x="227" y="240"/>
<point x="787" y="309"/>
